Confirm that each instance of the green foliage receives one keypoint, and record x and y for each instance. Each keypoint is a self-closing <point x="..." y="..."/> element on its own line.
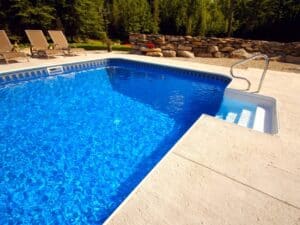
<point x="131" y="16"/>
<point x="103" y="36"/>
<point x="83" y="19"/>
<point x="268" y="19"/>
<point x="28" y="14"/>
<point x="99" y="45"/>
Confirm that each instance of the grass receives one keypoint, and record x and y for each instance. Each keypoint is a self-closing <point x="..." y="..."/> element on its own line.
<point x="92" y="45"/>
<point x="99" y="45"/>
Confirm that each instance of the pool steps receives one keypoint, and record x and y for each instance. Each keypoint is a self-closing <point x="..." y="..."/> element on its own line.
<point x="244" y="118"/>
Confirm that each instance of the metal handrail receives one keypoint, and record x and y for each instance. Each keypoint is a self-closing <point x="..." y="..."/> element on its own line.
<point x="267" y="60"/>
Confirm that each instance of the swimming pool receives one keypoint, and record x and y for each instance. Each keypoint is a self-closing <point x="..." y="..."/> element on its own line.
<point x="75" y="143"/>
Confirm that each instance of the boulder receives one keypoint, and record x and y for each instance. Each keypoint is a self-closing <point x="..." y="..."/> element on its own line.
<point x="144" y="49"/>
<point x="196" y="43"/>
<point x="276" y="46"/>
<point x="173" y="38"/>
<point x="240" y="54"/>
<point x="184" y="48"/>
<point x="185" y="54"/>
<point x="247" y="47"/>
<point x="168" y="47"/>
<point x="154" y="50"/>
<point x="203" y="54"/>
<point x="218" y="55"/>
<point x="227" y="49"/>
<point x="213" y="49"/>
<point x="188" y="38"/>
<point x="155" y="54"/>
<point x="292" y="59"/>
<point x="297" y="49"/>
<point x="277" y="58"/>
<point x="169" y="53"/>
<point x="160" y="40"/>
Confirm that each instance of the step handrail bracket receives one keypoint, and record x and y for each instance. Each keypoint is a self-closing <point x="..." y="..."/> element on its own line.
<point x="255" y="56"/>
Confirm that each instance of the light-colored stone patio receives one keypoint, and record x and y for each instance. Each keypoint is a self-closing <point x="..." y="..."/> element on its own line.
<point x="219" y="173"/>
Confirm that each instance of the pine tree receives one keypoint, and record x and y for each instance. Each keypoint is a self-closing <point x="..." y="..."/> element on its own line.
<point x="30" y="14"/>
<point x="83" y="18"/>
<point x="131" y="16"/>
<point x="155" y="15"/>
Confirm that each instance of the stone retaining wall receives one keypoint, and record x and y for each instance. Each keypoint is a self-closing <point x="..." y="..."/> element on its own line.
<point x="187" y="46"/>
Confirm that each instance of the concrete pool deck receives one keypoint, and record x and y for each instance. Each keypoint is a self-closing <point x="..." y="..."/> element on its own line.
<point x="219" y="173"/>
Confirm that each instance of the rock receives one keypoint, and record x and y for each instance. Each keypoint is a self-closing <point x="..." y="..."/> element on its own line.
<point x="240" y="54"/>
<point x="196" y="43"/>
<point x="213" y="49"/>
<point x="198" y="38"/>
<point x="184" y="48"/>
<point x="155" y="54"/>
<point x="144" y="49"/>
<point x="134" y="37"/>
<point x="159" y="40"/>
<point x="276" y="46"/>
<point x="204" y="55"/>
<point x="227" y="49"/>
<point x="292" y="59"/>
<point x="201" y="51"/>
<point x="169" y="53"/>
<point x="188" y="37"/>
<point x="218" y="55"/>
<point x="173" y="38"/>
<point x="277" y="58"/>
<point x="154" y="50"/>
<point x="185" y="54"/>
<point x="297" y="50"/>
<point x="168" y="47"/>
<point x="247" y="47"/>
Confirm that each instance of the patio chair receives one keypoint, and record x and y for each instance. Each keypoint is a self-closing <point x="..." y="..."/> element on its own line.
<point x="39" y="46"/>
<point x="60" y="42"/>
<point x="7" y="51"/>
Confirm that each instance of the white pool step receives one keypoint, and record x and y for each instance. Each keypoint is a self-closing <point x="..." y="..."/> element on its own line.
<point x="231" y="117"/>
<point x="259" y="120"/>
<point x="245" y="118"/>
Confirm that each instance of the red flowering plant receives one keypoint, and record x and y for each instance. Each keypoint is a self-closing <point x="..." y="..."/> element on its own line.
<point x="150" y="45"/>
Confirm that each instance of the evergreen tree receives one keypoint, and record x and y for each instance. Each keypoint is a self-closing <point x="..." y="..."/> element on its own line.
<point x="82" y="18"/>
<point x="264" y="19"/>
<point x="131" y="16"/>
<point x="155" y="15"/>
<point x="24" y="14"/>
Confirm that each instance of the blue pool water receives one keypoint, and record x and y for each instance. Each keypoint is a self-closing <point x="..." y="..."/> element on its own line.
<point x="73" y="146"/>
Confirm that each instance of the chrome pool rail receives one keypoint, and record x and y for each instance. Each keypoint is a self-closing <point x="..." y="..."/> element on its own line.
<point x="255" y="56"/>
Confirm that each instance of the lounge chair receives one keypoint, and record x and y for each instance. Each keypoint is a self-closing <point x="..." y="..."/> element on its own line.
<point x="39" y="46"/>
<point x="7" y="51"/>
<point x="60" y="42"/>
